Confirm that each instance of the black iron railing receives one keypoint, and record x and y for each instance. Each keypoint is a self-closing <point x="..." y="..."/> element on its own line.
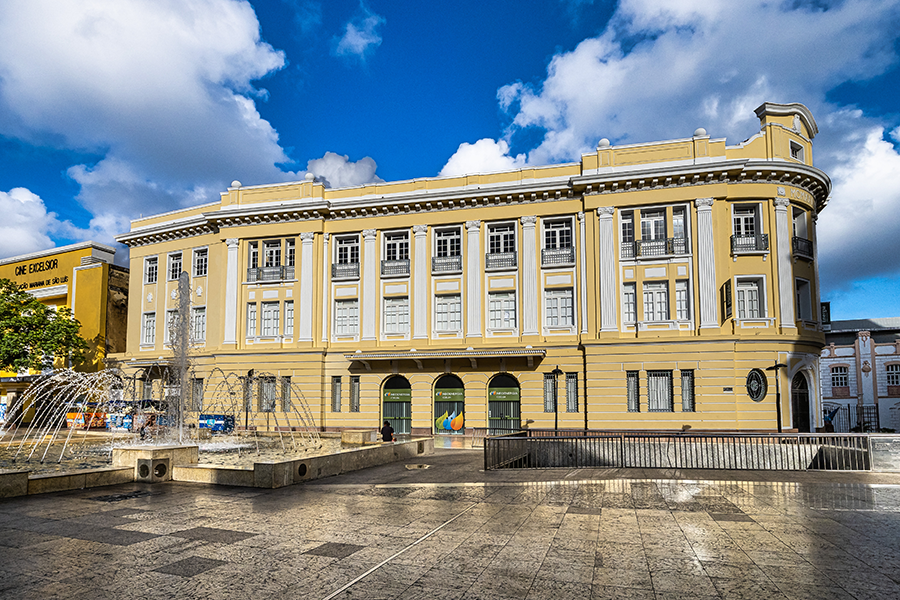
<point x="345" y="270"/>
<point x="537" y="449"/>
<point x="749" y="243"/>
<point x="500" y="260"/>
<point x="651" y="248"/>
<point x="802" y="247"/>
<point x="269" y="273"/>
<point x="558" y="256"/>
<point x="446" y="264"/>
<point x="395" y="267"/>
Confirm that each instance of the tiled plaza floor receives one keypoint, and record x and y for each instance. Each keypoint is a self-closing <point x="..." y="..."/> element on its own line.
<point x="451" y="531"/>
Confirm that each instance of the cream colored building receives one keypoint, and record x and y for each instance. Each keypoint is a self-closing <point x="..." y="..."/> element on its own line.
<point x="651" y="277"/>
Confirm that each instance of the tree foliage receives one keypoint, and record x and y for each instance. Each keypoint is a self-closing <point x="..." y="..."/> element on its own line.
<point x="32" y="332"/>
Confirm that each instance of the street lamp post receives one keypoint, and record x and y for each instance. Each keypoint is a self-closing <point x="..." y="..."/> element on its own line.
<point x="556" y="373"/>
<point x="775" y="368"/>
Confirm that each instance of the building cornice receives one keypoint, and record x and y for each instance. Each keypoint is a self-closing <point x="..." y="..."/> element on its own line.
<point x="59" y="250"/>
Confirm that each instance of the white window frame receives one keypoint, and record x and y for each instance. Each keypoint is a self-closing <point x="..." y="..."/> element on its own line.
<point x="799" y="223"/>
<point x="271" y="253"/>
<point x="553" y="226"/>
<point x="395" y="245"/>
<point x="270" y="321"/>
<point x="448" y="313"/>
<point x="200" y="262"/>
<point x="626" y="226"/>
<point x="171" y="273"/>
<point x="290" y="252"/>
<point x="892" y="373"/>
<point x="559" y="308"/>
<point x="682" y="300"/>
<point x="797" y="151"/>
<point x="253" y="255"/>
<point x="742" y="284"/>
<point x="169" y="329"/>
<point x="841" y="373"/>
<point x="346" y="317"/>
<point x="198" y="323"/>
<point x="755" y="207"/>
<point x="288" y="318"/>
<point x="656" y="297"/>
<point x="344" y="246"/>
<point x="148" y="329"/>
<point x="151" y="269"/>
<point x="500" y="232"/>
<point x="629" y="303"/>
<point x="502" y="311"/>
<point x="251" y="319"/>
<point x="396" y="315"/>
<point x="803" y="294"/>
<point x="652" y="231"/>
<point x="447" y="235"/>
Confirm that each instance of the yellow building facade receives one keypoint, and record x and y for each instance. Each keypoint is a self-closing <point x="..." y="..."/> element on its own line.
<point x="634" y="289"/>
<point x="83" y="278"/>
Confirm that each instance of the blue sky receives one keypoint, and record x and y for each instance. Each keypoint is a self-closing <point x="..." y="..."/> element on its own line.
<point x="110" y="109"/>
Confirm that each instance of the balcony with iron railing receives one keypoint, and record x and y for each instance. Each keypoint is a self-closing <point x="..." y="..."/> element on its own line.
<point x="345" y="270"/>
<point x="655" y="248"/>
<point x="395" y="268"/>
<point x="749" y="243"/>
<point x="803" y="247"/>
<point x="446" y="264"/>
<point x="501" y="260"/>
<point x="557" y="256"/>
<point x="257" y="274"/>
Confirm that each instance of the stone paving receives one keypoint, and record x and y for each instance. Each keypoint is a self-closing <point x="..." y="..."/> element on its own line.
<point x="450" y="531"/>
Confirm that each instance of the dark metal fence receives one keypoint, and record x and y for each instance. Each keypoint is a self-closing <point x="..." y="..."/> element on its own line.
<point x="541" y="449"/>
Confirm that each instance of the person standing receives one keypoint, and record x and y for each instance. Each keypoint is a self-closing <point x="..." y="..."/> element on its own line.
<point x="387" y="432"/>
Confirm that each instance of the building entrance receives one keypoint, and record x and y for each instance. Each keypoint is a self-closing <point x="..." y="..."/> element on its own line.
<point x="504" y="408"/>
<point x="397" y="403"/>
<point x="800" y="403"/>
<point x="449" y="405"/>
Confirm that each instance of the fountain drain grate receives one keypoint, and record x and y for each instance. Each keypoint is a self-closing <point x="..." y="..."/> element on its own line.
<point x="121" y="497"/>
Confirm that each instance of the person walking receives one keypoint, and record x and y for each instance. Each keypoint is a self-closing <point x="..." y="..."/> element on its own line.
<point x="387" y="432"/>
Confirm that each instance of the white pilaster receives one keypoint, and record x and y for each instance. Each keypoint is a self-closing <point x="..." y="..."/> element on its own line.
<point x="582" y="272"/>
<point x="420" y="282"/>
<point x="785" y="268"/>
<point x="326" y="286"/>
<point x="304" y="333"/>
<point x="530" y="299"/>
<point x="706" y="260"/>
<point x="608" y="291"/>
<point x="229" y="335"/>
<point x="473" y="278"/>
<point x="370" y="296"/>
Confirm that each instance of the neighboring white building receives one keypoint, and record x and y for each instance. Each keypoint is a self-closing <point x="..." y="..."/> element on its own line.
<point x="860" y="367"/>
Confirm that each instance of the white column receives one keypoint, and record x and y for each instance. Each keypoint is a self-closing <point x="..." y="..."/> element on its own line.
<point x="473" y="278"/>
<point x="706" y="261"/>
<point x="326" y="286"/>
<point x="420" y="282"/>
<point x="370" y="295"/>
<point x="229" y="336"/>
<point x="582" y="272"/>
<point x="785" y="268"/>
<point x="530" y="300"/>
<point x="304" y="333"/>
<point x="609" y="293"/>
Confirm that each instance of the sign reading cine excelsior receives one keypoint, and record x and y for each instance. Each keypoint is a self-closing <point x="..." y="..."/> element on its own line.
<point x="37" y="267"/>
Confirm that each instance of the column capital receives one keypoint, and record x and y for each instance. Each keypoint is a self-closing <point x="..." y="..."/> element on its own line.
<point x="606" y="211"/>
<point x="369" y="233"/>
<point x="581" y="216"/>
<point x="420" y="229"/>
<point x="702" y="203"/>
<point x="307" y="236"/>
<point x="231" y="242"/>
<point x="782" y="203"/>
<point x="529" y="221"/>
<point x="326" y="237"/>
<point x="470" y="225"/>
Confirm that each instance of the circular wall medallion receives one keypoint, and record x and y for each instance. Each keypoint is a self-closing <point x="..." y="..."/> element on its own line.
<point x="756" y="385"/>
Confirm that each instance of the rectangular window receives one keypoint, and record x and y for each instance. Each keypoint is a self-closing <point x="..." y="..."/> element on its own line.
<point x="653" y="225"/>
<point x="289" y="318"/>
<point x="893" y="374"/>
<point x="171" y="327"/>
<point x="272" y="253"/>
<point x="270" y="319"/>
<point x="840" y="378"/>
<point x="656" y="301"/>
<point x="253" y="255"/>
<point x="633" y="391"/>
<point x="679" y="228"/>
<point x="687" y="391"/>
<point x="682" y="306"/>
<point x="396" y="315"/>
<point x="346" y="317"/>
<point x="174" y="266"/>
<point x="347" y="250"/>
<point x="572" y="392"/>
<point x="354" y="393"/>
<point x="659" y="391"/>
<point x="267" y="394"/>
<point x="196" y="395"/>
<point x="558" y="234"/>
<point x="151" y="269"/>
<point x="502" y="307"/>
<point x="396" y="246"/>
<point x="627" y="227"/>
<point x="448" y="242"/>
<point x="502" y="238"/>
<point x="749" y="296"/>
<point x="198" y="323"/>
<point x="286" y="405"/>
<point x="148" y="329"/>
<point x="745" y="220"/>
<point x="201" y="262"/>
<point x="804" y="300"/>
<point x="799" y="218"/>
<point x="549" y="393"/>
<point x="335" y="393"/>
<point x="448" y="313"/>
<point x="726" y="300"/>
<point x="290" y="253"/>
<point x="559" y="308"/>
<point x="251" y="319"/>
<point x="629" y="303"/>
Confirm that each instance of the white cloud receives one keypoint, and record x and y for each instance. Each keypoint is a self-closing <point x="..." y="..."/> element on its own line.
<point x="26" y="224"/>
<point x="361" y="36"/>
<point x="339" y="171"/>
<point x="484" y="156"/>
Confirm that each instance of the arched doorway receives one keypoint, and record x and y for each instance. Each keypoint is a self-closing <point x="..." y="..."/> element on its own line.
<point x="504" y="408"/>
<point x="449" y="405"/>
<point x="396" y="397"/>
<point x="800" y="403"/>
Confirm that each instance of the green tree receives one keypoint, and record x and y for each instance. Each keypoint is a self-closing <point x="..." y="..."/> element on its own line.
<point x="32" y="332"/>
